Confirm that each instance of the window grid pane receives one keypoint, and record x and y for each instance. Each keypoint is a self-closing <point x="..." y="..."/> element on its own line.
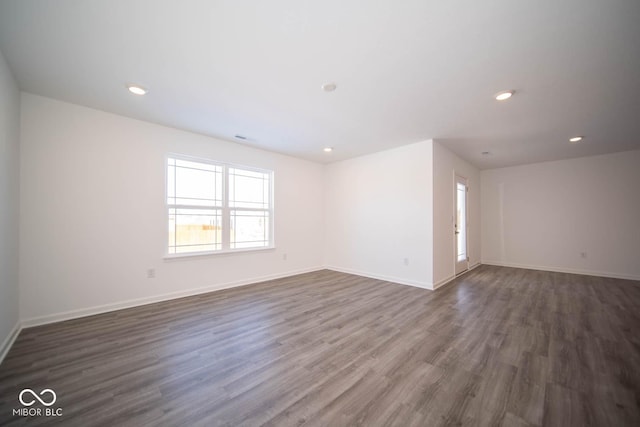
<point x="197" y="211"/>
<point x="194" y="230"/>
<point x="194" y="186"/>
<point x="249" y="229"/>
<point x="248" y="189"/>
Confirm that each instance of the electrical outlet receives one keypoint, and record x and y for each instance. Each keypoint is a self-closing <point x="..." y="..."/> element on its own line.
<point x="406" y="261"/>
<point x="583" y="254"/>
<point x="151" y="273"/>
<point x="284" y="257"/>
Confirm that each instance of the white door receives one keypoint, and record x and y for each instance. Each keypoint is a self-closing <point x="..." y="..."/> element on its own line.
<point x="461" y="228"/>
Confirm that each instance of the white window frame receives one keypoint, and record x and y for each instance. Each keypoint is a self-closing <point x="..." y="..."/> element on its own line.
<point x="226" y="209"/>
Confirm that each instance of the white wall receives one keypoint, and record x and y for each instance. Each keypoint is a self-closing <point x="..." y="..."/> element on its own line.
<point x="9" y="203"/>
<point x="545" y="215"/>
<point x="445" y="166"/>
<point x="378" y="212"/>
<point x="93" y="217"/>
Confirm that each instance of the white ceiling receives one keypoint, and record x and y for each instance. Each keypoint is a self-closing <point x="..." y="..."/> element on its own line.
<point x="406" y="71"/>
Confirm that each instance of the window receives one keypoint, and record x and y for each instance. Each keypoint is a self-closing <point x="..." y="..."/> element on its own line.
<point x="217" y="207"/>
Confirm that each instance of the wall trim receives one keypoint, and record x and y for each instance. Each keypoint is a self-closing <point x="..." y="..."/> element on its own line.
<point x="450" y="279"/>
<point x="421" y="285"/>
<point x="9" y="340"/>
<point x="90" y="311"/>
<point x="444" y="281"/>
<point x="562" y="270"/>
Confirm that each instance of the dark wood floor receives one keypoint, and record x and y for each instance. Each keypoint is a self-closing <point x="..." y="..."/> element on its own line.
<point x="501" y="346"/>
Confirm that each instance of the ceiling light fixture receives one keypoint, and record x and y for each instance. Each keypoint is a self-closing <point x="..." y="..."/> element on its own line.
<point x="329" y="87"/>
<point x="504" y="95"/>
<point x="137" y="90"/>
<point x="576" y="139"/>
<point x="328" y="149"/>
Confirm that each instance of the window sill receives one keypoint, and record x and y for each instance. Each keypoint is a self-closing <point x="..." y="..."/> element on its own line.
<point x="190" y="255"/>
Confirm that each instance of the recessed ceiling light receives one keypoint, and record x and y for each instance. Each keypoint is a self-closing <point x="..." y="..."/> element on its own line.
<point x="138" y="90"/>
<point x="329" y="87"/>
<point x="576" y="139"/>
<point x="328" y="149"/>
<point x="504" y="95"/>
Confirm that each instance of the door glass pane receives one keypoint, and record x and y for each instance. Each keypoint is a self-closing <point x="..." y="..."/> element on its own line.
<point x="461" y="221"/>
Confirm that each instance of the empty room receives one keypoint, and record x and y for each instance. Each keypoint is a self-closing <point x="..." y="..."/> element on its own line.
<point x="336" y="213"/>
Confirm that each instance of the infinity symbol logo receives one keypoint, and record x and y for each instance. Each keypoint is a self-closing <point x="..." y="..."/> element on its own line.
<point x="36" y="397"/>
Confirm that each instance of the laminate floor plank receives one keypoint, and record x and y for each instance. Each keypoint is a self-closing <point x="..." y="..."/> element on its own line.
<point x="498" y="346"/>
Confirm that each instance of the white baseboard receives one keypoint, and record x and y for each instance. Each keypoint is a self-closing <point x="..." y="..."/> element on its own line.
<point x="443" y="282"/>
<point x="421" y="285"/>
<point x="9" y="340"/>
<point x="450" y="279"/>
<point x="90" y="311"/>
<point x="562" y="270"/>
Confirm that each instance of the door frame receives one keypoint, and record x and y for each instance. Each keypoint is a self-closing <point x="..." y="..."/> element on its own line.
<point x="456" y="264"/>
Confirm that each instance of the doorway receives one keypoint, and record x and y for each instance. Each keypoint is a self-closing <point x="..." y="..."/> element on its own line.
<point x="461" y="226"/>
